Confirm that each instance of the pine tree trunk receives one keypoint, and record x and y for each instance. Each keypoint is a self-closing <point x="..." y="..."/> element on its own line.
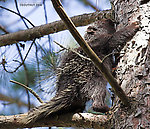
<point x="133" y="71"/>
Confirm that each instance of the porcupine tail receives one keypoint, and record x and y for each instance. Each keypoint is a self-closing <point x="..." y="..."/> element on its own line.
<point x="61" y="103"/>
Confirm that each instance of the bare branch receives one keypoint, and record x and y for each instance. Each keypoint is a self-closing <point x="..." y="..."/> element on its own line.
<point x="85" y="120"/>
<point x="3" y="29"/>
<point x="87" y="49"/>
<point x="40" y="31"/>
<point x="16" y="4"/>
<point x="16" y="14"/>
<point x="69" y="49"/>
<point x="29" y="89"/>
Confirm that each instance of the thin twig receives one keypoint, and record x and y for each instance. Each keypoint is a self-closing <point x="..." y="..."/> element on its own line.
<point x="16" y="4"/>
<point x="26" y="15"/>
<point x="3" y="29"/>
<point x="73" y="51"/>
<point x="26" y="73"/>
<point x="110" y="54"/>
<point x="20" y="54"/>
<point x="21" y="63"/>
<point x="4" y="62"/>
<point x="16" y="14"/>
<point x="29" y="89"/>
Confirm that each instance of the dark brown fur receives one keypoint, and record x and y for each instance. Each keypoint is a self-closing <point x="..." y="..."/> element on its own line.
<point x="78" y="79"/>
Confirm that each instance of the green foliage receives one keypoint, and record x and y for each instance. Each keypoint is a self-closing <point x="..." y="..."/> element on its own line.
<point x="20" y="76"/>
<point x="49" y="59"/>
<point x="49" y="62"/>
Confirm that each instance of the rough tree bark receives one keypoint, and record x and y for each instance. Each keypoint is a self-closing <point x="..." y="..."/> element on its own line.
<point x="132" y="73"/>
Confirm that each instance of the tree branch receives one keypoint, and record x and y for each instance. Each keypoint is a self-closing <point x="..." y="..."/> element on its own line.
<point x="69" y="49"/>
<point x="29" y="89"/>
<point x="86" y="120"/>
<point x="40" y="31"/>
<point x="87" y="49"/>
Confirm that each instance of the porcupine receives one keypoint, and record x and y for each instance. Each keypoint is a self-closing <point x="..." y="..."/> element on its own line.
<point x="79" y="80"/>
